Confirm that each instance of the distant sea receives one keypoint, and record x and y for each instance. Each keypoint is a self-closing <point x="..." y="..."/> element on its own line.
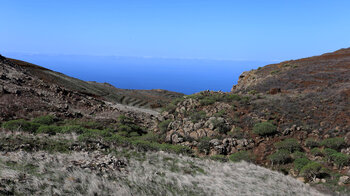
<point x="181" y="75"/>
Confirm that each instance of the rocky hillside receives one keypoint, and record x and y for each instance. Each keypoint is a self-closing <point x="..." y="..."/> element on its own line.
<point x="293" y="117"/>
<point x="28" y="90"/>
<point x="63" y="84"/>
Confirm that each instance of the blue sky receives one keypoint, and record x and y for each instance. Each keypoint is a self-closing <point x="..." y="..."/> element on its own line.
<point x="217" y="29"/>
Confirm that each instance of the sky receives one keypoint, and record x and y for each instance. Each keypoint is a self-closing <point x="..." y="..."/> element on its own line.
<point x="251" y="30"/>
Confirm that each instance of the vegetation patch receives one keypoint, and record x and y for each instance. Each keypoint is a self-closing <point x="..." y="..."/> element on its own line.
<point x="21" y="125"/>
<point x="44" y="120"/>
<point x="280" y="157"/>
<point x="290" y="144"/>
<point x="334" y="143"/>
<point x="242" y="156"/>
<point x="197" y="116"/>
<point x="312" y="143"/>
<point x="163" y="126"/>
<point x="299" y="163"/>
<point x="49" y="129"/>
<point x="264" y="129"/>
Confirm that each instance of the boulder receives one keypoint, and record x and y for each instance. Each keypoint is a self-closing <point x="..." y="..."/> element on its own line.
<point x="344" y="180"/>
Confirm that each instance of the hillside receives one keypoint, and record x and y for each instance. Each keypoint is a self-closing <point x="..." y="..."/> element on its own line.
<point x="28" y="90"/>
<point x="282" y="116"/>
<point x="292" y="117"/>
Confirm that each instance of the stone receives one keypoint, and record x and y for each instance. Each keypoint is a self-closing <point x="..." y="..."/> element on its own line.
<point x="215" y="142"/>
<point x="344" y="180"/>
<point x="301" y="179"/>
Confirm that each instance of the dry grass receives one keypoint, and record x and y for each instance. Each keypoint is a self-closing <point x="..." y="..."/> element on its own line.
<point x="40" y="173"/>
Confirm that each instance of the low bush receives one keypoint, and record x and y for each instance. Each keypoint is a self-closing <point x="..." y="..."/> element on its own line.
<point x="298" y="155"/>
<point x="220" y="126"/>
<point x="290" y="144"/>
<point x="21" y="125"/>
<point x="232" y="97"/>
<point x="208" y="101"/>
<point x="44" y="120"/>
<point x="334" y="143"/>
<point x="204" y="145"/>
<point x="316" y="152"/>
<point x="280" y="157"/>
<point x="127" y="127"/>
<point x="197" y="116"/>
<point x="311" y="170"/>
<point x="169" y="108"/>
<point x="241" y="156"/>
<point x="312" y="143"/>
<point x="49" y="129"/>
<point x="221" y="113"/>
<point x="73" y="128"/>
<point x="300" y="163"/>
<point x="154" y="146"/>
<point x="327" y="152"/>
<point x="340" y="159"/>
<point x="219" y="157"/>
<point x="264" y="129"/>
<point x="163" y="126"/>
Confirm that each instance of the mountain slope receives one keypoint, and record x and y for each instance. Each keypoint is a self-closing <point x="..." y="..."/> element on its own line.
<point x="274" y="116"/>
<point x="138" y="98"/>
<point x="27" y="89"/>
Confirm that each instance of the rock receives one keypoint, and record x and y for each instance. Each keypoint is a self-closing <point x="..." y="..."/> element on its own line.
<point x="344" y="180"/>
<point x="176" y="139"/>
<point x="215" y="142"/>
<point x="347" y="138"/>
<point x="317" y="180"/>
<point x="301" y="179"/>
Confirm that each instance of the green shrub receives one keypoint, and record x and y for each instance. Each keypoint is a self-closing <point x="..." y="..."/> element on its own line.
<point x="204" y="145"/>
<point x="96" y="134"/>
<point x="163" y="126"/>
<point x="311" y="170"/>
<point x="21" y="125"/>
<point x="316" y="152"/>
<point x="334" y="143"/>
<point x="280" y="157"/>
<point x="153" y="146"/>
<point x="49" y="129"/>
<point x="220" y="126"/>
<point x="275" y="72"/>
<point x="127" y="126"/>
<point x="197" y="116"/>
<point x="73" y="128"/>
<point x="264" y="129"/>
<point x="232" y="97"/>
<point x="219" y="157"/>
<point x="311" y="143"/>
<point x="241" y="156"/>
<point x="300" y="163"/>
<point x="151" y="137"/>
<point x="237" y="133"/>
<point x="328" y="153"/>
<point x="169" y="108"/>
<point x="290" y="144"/>
<point x="44" y="120"/>
<point x="131" y="130"/>
<point x="340" y="159"/>
<point x="221" y="113"/>
<point x="298" y="155"/>
<point x="207" y="101"/>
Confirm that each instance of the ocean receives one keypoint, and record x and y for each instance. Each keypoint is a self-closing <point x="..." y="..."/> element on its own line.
<point x="187" y="76"/>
